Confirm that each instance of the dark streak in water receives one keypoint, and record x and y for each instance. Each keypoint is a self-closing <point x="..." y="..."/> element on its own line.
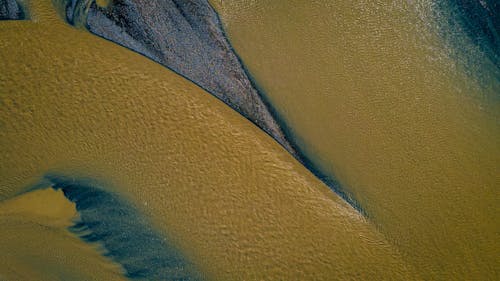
<point x="127" y="237"/>
<point x="184" y="36"/>
<point x="301" y="156"/>
<point x="12" y="10"/>
<point x="187" y="37"/>
<point x="471" y="28"/>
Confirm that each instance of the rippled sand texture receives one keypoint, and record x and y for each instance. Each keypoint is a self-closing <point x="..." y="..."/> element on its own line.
<point x="374" y="99"/>
<point x="184" y="36"/>
<point x="233" y="200"/>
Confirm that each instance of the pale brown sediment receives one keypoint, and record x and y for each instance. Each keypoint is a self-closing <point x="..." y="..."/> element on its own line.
<point x="36" y="244"/>
<point x="378" y="99"/>
<point x="233" y="200"/>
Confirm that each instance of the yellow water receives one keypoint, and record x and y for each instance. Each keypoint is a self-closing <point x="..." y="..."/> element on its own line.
<point x="36" y="244"/>
<point x="237" y="204"/>
<point x="373" y="97"/>
<point x="103" y="3"/>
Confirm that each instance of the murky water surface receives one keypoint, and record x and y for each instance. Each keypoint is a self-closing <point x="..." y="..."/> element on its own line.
<point x="36" y="244"/>
<point x="236" y="203"/>
<point x="374" y="97"/>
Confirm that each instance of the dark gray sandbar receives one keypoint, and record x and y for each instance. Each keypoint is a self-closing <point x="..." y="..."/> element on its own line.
<point x="185" y="36"/>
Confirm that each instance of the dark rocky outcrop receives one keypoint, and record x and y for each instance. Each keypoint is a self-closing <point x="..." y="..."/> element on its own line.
<point x="185" y="36"/>
<point x="11" y="10"/>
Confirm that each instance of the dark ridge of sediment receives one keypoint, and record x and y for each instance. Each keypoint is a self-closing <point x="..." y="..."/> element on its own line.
<point x="11" y="10"/>
<point x="126" y="236"/>
<point x="187" y="37"/>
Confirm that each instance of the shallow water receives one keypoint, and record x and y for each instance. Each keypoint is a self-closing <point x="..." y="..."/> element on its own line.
<point x="375" y="97"/>
<point x="36" y="244"/>
<point x="231" y="199"/>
